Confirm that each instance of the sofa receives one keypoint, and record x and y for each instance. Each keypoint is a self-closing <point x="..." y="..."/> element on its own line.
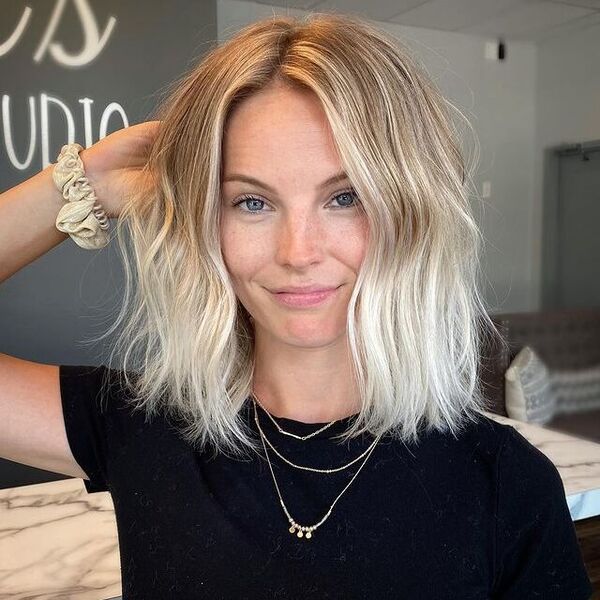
<point x="563" y="339"/>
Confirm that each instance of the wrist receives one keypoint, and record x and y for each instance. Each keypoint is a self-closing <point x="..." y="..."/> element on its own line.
<point x="45" y="176"/>
<point x="95" y="181"/>
<point x="82" y="216"/>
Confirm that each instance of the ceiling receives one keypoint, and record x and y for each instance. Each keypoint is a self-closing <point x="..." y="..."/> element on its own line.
<point x="527" y="20"/>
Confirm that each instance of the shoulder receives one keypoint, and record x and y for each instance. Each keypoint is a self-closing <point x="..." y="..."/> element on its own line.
<point x="527" y="476"/>
<point x="466" y="459"/>
<point x="516" y="457"/>
<point x="100" y="387"/>
<point x="536" y="548"/>
<point x="482" y="437"/>
<point x="496" y="451"/>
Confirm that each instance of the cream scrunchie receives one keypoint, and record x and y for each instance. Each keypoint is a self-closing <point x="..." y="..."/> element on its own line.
<point x="82" y="217"/>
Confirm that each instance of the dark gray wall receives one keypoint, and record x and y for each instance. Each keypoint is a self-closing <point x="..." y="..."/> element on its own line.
<point x="82" y="88"/>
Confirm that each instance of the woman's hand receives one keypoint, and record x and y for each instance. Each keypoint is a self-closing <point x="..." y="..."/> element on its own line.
<point x="113" y="165"/>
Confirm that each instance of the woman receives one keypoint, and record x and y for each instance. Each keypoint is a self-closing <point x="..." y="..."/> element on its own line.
<point x="331" y="444"/>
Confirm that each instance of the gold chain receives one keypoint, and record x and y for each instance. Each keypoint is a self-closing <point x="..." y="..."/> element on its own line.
<point x="298" y="437"/>
<point x="295" y="527"/>
<point x="311" y="468"/>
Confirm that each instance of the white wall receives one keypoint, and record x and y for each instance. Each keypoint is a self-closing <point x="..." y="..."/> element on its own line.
<point x="499" y="100"/>
<point x="568" y="87"/>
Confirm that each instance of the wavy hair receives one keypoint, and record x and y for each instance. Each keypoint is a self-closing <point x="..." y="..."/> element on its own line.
<point x="415" y="320"/>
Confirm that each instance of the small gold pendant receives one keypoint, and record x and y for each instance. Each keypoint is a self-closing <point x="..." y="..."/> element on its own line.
<point x="300" y="533"/>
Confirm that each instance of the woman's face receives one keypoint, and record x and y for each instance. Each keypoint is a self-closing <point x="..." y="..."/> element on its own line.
<point x="292" y="231"/>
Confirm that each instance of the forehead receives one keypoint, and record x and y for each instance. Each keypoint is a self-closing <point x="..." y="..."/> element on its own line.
<point x="277" y="129"/>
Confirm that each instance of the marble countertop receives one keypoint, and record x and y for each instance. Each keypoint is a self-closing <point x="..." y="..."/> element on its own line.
<point x="57" y="541"/>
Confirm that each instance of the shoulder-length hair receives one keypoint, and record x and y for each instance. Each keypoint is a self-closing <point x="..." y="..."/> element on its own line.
<point x="415" y="320"/>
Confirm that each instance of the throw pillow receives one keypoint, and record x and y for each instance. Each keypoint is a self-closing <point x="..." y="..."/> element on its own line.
<point x="529" y="395"/>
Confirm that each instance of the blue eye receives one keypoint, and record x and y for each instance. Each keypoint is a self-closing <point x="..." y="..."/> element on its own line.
<point x="350" y="193"/>
<point x="247" y="199"/>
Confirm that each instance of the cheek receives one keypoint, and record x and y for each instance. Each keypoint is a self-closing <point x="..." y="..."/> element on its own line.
<point x="231" y="249"/>
<point x="351" y="244"/>
<point x="243" y="254"/>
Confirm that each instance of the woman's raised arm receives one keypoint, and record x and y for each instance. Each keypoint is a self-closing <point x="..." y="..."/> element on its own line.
<point x="28" y="210"/>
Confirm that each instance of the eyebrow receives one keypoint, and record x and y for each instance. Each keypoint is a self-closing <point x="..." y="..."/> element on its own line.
<point x="252" y="180"/>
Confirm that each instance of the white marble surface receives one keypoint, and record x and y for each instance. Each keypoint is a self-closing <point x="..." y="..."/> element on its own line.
<point x="57" y="541"/>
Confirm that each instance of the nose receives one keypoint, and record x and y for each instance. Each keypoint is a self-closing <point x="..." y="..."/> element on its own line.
<point x="300" y="241"/>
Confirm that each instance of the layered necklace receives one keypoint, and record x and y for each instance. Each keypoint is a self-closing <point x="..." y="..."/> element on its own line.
<point x="305" y="531"/>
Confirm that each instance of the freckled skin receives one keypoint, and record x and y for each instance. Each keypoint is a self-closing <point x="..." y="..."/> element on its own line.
<point x="302" y="234"/>
<point x="282" y="138"/>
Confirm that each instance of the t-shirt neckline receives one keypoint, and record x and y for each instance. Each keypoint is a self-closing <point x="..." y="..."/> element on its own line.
<point x="298" y="427"/>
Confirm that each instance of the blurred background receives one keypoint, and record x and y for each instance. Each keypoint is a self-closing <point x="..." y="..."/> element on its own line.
<point x="524" y="72"/>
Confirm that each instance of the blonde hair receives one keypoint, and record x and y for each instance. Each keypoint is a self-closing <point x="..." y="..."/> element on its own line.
<point x="415" y="319"/>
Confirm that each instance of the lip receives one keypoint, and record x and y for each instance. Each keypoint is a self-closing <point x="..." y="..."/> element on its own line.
<point x="307" y="289"/>
<point x="312" y="298"/>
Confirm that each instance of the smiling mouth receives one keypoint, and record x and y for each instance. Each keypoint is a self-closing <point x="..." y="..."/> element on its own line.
<point x="305" y="299"/>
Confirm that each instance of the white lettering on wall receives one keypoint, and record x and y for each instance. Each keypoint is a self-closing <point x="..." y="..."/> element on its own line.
<point x="8" y="134"/>
<point x="47" y="102"/>
<point x="50" y="108"/>
<point x="9" y="44"/>
<point x="93" y="41"/>
<point x="88" y="138"/>
<point x="108" y="111"/>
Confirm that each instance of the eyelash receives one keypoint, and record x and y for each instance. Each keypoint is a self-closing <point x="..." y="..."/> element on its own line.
<point x="247" y="197"/>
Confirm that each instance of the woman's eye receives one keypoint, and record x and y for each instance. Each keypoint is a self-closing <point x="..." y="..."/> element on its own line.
<point x="249" y="201"/>
<point x="351" y="193"/>
<point x="253" y="204"/>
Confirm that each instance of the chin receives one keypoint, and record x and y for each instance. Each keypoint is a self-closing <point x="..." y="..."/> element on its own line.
<point x="314" y="334"/>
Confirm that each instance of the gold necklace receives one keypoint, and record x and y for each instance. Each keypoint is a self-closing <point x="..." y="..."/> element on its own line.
<point x="298" y="437"/>
<point x="311" y="468"/>
<point x="300" y="530"/>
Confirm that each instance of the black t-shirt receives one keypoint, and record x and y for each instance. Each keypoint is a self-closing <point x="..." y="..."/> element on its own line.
<point x="480" y="517"/>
